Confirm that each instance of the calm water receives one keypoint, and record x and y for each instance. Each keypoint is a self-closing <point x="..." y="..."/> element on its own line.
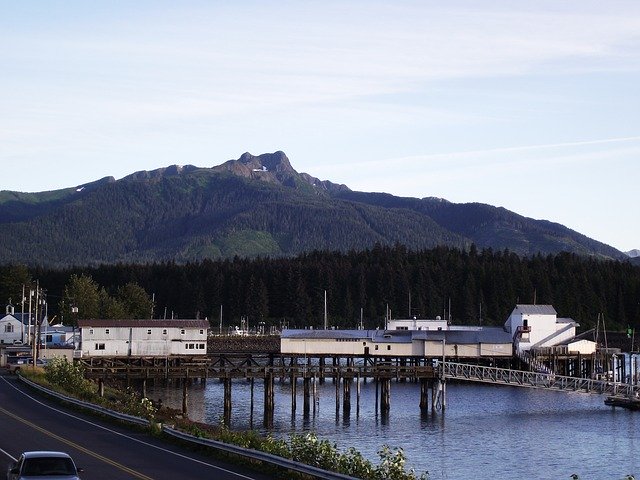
<point x="487" y="432"/>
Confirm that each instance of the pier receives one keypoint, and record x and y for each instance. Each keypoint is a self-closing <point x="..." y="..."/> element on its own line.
<point x="347" y="374"/>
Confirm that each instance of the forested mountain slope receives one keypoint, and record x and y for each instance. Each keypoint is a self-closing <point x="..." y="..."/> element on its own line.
<point x="253" y="206"/>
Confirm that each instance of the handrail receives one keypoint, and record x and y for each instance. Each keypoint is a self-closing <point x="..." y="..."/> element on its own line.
<point x="90" y="406"/>
<point x="521" y="378"/>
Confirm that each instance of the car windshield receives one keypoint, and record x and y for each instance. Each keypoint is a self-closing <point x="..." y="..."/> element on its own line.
<point x="42" y="466"/>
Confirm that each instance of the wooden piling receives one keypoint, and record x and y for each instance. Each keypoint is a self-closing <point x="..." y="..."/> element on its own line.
<point x="321" y="363"/>
<point x="185" y="396"/>
<point x="306" y="387"/>
<point x="315" y="393"/>
<point x="346" y="393"/>
<point x="358" y="393"/>
<point x="251" y="401"/>
<point x="294" y="382"/>
<point x="227" y="401"/>
<point x="385" y="397"/>
<point x="424" y="394"/>
<point x="336" y="379"/>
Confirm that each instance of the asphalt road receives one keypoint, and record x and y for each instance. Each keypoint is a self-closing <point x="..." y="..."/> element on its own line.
<point x="103" y="450"/>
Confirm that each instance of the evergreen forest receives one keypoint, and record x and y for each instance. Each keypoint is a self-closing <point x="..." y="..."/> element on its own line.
<point x="466" y="286"/>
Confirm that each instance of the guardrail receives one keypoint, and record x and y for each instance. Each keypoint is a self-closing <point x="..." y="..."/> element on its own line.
<point x="90" y="406"/>
<point x="225" y="447"/>
<point x="258" y="455"/>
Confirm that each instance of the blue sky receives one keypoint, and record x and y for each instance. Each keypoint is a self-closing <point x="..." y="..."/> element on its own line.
<point x="533" y="106"/>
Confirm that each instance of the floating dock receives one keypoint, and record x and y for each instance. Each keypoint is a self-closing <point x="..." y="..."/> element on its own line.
<point x="631" y="403"/>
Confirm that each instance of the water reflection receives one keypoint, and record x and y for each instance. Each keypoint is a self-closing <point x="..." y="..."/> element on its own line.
<point x="486" y="431"/>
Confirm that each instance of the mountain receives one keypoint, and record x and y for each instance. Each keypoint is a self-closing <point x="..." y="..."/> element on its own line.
<point x="633" y="253"/>
<point x="256" y="205"/>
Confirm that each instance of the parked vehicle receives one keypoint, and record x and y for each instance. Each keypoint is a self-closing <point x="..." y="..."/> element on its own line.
<point x="26" y="361"/>
<point x="43" y="465"/>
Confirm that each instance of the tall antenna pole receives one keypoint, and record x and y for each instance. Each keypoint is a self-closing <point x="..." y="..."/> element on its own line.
<point x="220" y="319"/>
<point x="409" y="304"/>
<point x="325" y="309"/>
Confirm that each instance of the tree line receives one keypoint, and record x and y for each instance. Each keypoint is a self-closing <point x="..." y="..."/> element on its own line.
<point x="466" y="286"/>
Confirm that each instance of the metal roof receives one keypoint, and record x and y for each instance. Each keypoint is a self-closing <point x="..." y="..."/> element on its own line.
<point x="327" y="334"/>
<point x="482" y="335"/>
<point x="148" y="323"/>
<point x="475" y="336"/>
<point x="536" y="309"/>
<point x="566" y="320"/>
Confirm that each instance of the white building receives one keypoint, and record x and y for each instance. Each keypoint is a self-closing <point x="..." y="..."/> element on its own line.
<point x="16" y="328"/>
<point x="12" y="330"/>
<point x="418" y="324"/>
<point x="538" y="326"/>
<point x="477" y="342"/>
<point x="112" y="338"/>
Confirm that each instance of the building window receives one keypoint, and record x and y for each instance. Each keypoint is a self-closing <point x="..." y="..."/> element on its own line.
<point x="164" y="331"/>
<point x="106" y="331"/>
<point x="376" y="347"/>
<point x="182" y="331"/>
<point x="201" y="332"/>
<point x="91" y="331"/>
<point x="8" y="328"/>
<point x="200" y="346"/>
<point x="48" y="338"/>
<point x="388" y="347"/>
<point x="148" y="331"/>
<point x="99" y="346"/>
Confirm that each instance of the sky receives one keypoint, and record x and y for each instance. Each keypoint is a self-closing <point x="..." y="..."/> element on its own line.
<point x="531" y="106"/>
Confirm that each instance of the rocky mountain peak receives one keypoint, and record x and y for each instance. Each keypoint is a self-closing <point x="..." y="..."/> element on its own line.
<point x="270" y="162"/>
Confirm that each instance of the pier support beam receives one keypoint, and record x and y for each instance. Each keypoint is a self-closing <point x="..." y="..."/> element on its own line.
<point x="424" y="394"/>
<point x="294" y="385"/>
<point x="346" y="393"/>
<point x="268" y="399"/>
<point x="227" y="401"/>
<point x="306" y="393"/>
<point x="185" y="398"/>
<point x="385" y="395"/>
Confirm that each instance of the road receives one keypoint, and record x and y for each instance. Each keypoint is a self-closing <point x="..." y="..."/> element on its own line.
<point x="103" y="450"/>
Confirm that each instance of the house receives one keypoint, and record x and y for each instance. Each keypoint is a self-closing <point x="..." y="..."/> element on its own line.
<point x="538" y="326"/>
<point x="18" y="328"/>
<point x="12" y="330"/>
<point x="113" y="338"/>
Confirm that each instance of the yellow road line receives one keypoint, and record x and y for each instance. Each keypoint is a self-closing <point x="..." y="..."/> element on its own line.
<point x="75" y="445"/>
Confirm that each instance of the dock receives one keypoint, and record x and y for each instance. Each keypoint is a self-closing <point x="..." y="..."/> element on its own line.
<point x="630" y="403"/>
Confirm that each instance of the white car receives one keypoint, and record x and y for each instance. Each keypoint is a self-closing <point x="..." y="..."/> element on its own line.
<point x="25" y="362"/>
<point x="43" y="465"/>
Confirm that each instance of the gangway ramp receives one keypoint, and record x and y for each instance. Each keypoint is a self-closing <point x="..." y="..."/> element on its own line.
<point x="521" y="378"/>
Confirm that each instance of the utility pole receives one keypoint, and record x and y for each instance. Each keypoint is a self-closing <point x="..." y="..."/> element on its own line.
<point x="22" y="316"/>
